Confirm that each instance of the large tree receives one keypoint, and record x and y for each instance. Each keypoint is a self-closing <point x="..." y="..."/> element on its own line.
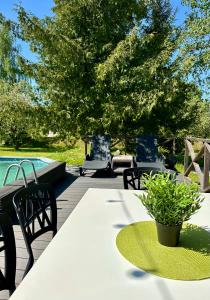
<point x="109" y="66"/>
<point x="9" y="51"/>
<point x="195" y="40"/>
<point x="16" y="112"/>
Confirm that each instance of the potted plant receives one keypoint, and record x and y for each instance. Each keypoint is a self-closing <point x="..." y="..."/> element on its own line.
<point x="170" y="204"/>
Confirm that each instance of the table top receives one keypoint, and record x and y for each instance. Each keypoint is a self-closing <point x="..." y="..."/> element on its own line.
<point x="83" y="263"/>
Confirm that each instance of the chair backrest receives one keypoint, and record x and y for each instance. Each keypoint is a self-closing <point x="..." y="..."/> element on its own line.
<point x="7" y="245"/>
<point x="146" y="148"/>
<point x="132" y="177"/>
<point x="100" y="147"/>
<point x="36" y="211"/>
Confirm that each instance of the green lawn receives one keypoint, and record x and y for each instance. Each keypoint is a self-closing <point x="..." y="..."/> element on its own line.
<point x="72" y="156"/>
<point x="193" y="176"/>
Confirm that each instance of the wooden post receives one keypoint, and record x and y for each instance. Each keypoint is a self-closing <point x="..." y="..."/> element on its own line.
<point x="186" y="157"/>
<point x="206" y="166"/>
<point x="174" y="146"/>
<point x="85" y="148"/>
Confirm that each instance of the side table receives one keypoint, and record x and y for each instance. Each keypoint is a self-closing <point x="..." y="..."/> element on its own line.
<point x="122" y="162"/>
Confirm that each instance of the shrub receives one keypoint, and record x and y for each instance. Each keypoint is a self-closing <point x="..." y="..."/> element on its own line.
<point x="168" y="202"/>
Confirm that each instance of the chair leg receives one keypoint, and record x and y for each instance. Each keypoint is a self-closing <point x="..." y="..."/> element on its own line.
<point x="29" y="266"/>
<point x="12" y="289"/>
<point x="54" y="232"/>
<point x="81" y="171"/>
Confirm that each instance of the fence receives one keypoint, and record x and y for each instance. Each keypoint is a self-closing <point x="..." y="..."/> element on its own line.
<point x="198" y="162"/>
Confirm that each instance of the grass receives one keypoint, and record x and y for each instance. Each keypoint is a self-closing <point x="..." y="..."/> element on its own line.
<point x="193" y="176"/>
<point x="72" y="155"/>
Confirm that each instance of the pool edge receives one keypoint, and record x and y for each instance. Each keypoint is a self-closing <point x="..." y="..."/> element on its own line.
<point x="51" y="174"/>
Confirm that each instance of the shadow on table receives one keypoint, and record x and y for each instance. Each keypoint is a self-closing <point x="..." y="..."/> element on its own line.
<point x="114" y="201"/>
<point x="119" y="225"/>
<point x="195" y="238"/>
<point x="136" y="274"/>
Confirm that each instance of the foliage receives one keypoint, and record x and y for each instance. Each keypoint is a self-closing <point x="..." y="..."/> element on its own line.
<point x="195" y="49"/>
<point x="201" y="124"/>
<point x="9" y="67"/>
<point x="108" y="67"/>
<point x="168" y="202"/>
<point x="16" y="112"/>
<point x="202" y="121"/>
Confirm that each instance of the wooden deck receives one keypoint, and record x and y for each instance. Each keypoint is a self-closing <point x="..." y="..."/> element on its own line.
<point x="68" y="194"/>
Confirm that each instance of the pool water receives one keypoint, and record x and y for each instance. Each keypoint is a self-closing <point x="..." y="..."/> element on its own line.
<point x="6" y="162"/>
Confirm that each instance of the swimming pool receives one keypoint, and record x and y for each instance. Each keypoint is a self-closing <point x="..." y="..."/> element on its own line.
<point x="5" y="162"/>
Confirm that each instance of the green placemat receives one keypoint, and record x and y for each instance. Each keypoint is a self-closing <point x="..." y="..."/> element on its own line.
<point x="190" y="260"/>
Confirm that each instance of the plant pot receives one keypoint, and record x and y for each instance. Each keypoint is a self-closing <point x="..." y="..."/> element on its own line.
<point x="168" y="235"/>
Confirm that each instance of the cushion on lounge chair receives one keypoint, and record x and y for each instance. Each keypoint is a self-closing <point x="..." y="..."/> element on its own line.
<point x="151" y="165"/>
<point x="147" y="157"/>
<point x="95" y="164"/>
<point x="146" y="149"/>
<point x="100" y="154"/>
<point x="100" y="148"/>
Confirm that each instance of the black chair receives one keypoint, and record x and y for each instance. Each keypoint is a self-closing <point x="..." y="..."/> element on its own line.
<point x="132" y="177"/>
<point x="7" y="240"/>
<point x="100" y="154"/>
<point x="36" y="211"/>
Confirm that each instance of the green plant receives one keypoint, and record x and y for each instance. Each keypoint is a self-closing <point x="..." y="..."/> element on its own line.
<point x="169" y="202"/>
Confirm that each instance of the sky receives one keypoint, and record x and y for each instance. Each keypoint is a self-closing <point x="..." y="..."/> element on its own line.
<point x="42" y="8"/>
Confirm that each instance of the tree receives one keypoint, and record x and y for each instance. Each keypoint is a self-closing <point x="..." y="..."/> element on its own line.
<point x="16" y="112"/>
<point x="194" y="44"/>
<point x="142" y="73"/>
<point x="201" y="128"/>
<point x="108" y="67"/>
<point x="9" y="67"/>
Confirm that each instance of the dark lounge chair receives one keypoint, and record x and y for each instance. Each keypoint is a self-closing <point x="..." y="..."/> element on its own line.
<point x="147" y="153"/>
<point x="100" y="154"/>
<point x="147" y="156"/>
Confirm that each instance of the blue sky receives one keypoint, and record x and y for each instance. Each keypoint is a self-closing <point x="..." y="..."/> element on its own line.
<point x="42" y="8"/>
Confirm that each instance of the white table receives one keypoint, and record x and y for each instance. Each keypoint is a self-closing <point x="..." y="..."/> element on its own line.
<point x="83" y="263"/>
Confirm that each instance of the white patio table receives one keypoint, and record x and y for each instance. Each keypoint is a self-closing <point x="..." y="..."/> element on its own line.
<point x="83" y="263"/>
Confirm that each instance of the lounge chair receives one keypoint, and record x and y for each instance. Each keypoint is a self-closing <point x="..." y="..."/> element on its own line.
<point x="147" y="156"/>
<point x="147" y="153"/>
<point x="100" y="154"/>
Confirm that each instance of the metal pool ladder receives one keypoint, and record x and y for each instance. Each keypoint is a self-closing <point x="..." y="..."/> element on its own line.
<point x="19" y="167"/>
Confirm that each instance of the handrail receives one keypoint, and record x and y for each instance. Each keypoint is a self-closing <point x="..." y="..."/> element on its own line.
<point x="207" y="147"/>
<point x="34" y="171"/>
<point x="204" y="153"/>
<point x="198" y="139"/>
<point x="19" y="167"/>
